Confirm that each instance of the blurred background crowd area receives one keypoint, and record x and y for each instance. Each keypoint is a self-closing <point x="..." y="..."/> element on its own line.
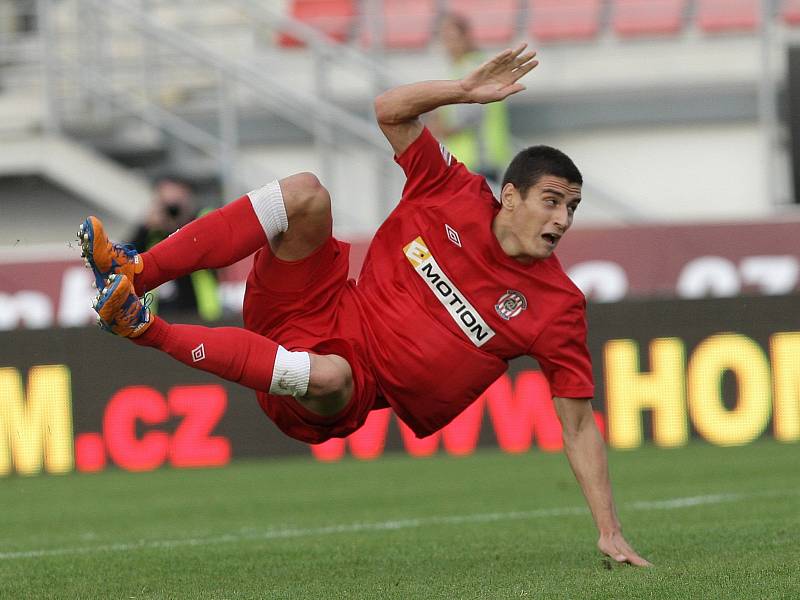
<point x="684" y="116"/>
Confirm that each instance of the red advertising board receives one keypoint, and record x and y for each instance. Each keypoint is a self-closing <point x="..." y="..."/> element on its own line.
<point x="684" y="261"/>
<point x="609" y="265"/>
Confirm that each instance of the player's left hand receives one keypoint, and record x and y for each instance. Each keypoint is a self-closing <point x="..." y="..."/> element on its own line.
<point x="615" y="546"/>
<point x="497" y="78"/>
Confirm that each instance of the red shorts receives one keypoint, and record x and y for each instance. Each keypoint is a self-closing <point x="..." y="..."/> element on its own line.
<point x="310" y="305"/>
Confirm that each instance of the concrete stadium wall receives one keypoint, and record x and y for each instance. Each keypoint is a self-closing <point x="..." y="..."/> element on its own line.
<point x="675" y="173"/>
<point x="663" y="173"/>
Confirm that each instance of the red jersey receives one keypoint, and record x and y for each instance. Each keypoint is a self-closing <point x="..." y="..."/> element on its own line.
<point x="446" y="308"/>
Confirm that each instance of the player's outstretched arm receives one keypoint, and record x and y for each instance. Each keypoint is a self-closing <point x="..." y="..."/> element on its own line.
<point x="398" y="109"/>
<point x="587" y="457"/>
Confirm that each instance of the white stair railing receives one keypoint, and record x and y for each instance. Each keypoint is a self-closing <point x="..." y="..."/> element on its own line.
<point x="118" y="69"/>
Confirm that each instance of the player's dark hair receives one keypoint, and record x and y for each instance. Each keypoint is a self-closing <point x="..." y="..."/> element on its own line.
<point x="531" y="164"/>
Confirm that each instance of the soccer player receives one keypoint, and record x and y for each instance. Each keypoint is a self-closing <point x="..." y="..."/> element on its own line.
<point x="455" y="284"/>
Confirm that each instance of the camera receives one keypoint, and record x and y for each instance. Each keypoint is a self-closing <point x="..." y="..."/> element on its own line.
<point x="173" y="210"/>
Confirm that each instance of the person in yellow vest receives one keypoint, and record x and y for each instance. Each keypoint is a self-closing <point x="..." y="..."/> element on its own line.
<point x="173" y="207"/>
<point x="478" y="135"/>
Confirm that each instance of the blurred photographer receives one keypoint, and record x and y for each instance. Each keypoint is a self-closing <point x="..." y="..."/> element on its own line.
<point x="173" y="207"/>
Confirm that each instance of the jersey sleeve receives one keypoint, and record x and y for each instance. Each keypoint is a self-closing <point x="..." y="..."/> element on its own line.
<point x="428" y="165"/>
<point x="563" y="354"/>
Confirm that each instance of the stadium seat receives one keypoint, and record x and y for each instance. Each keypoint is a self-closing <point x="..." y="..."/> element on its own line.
<point x="648" y="17"/>
<point x="334" y="18"/>
<point x="405" y="24"/>
<point x="790" y="12"/>
<point x="714" y="16"/>
<point x="553" y="20"/>
<point x="493" y="21"/>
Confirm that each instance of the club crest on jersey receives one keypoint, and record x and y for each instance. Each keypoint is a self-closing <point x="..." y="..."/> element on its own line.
<point x="511" y="304"/>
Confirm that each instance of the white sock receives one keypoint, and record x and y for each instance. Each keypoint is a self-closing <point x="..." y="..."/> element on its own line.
<point x="268" y="205"/>
<point x="290" y="374"/>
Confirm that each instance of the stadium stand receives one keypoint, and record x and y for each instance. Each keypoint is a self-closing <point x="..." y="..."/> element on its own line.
<point x="410" y="24"/>
<point x="790" y="12"/>
<point x="334" y="18"/>
<point x="561" y="20"/>
<point x="493" y="21"/>
<point x="633" y="18"/>
<point x="191" y="42"/>
<point x="403" y="24"/>
<point x="717" y="16"/>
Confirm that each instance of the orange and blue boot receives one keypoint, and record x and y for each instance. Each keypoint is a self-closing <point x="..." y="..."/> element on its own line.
<point x="119" y="309"/>
<point x="104" y="256"/>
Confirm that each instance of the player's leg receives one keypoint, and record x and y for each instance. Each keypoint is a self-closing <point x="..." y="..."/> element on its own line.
<point x="330" y="384"/>
<point x="217" y="239"/>
<point x="301" y="272"/>
<point x="321" y="383"/>
<point x="293" y="214"/>
<point x="308" y="210"/>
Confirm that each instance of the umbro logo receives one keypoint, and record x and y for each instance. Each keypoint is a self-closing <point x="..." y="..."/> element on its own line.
<point x="452" y="235"/>
<point x="448" y="158"/>
<point x="199" y="353"/>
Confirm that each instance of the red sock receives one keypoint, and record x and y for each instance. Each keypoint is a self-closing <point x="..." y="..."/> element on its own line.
<point x="232" y="353"/>
<point x="217" y="239"/>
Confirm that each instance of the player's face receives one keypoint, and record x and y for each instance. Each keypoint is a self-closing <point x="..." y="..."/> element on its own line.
<point x="542" y="217"/>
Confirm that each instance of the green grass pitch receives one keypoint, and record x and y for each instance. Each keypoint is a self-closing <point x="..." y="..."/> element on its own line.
<point x="717" y="523"/>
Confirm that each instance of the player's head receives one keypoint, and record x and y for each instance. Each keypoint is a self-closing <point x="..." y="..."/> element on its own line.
<point x="531" y="164"/>
<point x="540" y="193"/>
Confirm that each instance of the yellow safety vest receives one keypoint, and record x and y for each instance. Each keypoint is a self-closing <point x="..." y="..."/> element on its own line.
<point x="486" y="146"/>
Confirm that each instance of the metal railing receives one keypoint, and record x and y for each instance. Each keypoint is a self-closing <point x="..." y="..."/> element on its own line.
<point x="121" y="62"/>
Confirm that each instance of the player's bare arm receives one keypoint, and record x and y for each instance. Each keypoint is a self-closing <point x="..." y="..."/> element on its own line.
<point x="398" y="110"/>
<point x="587" y="456"/>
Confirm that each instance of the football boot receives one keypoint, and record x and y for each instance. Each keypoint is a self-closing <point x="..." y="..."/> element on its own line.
<point x="120" y="310"/>
<point x="103" y="256"/>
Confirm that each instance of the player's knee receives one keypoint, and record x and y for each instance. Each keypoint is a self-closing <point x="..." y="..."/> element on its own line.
<point x="306" y="197"/>
<point x="330" y="374"/>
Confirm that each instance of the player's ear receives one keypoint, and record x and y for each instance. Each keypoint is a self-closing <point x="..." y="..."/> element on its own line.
<point x="509" y="196"/>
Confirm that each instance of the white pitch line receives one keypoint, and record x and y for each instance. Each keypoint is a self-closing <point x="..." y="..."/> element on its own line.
<point x="272" y="534"/>
<point x="683" y="502"/>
